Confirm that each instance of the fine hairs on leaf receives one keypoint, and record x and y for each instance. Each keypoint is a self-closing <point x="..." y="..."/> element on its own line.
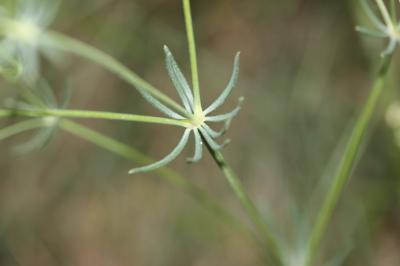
<point x="197" y="125"/>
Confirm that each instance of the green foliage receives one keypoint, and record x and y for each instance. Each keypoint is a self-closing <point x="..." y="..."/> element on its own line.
<point x="33" y="107"/>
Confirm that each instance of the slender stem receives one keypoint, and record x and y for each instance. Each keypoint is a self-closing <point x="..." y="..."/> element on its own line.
<point x="385" y="13"/>
<point x="21" y="127"/>
<point x="193" y="55"/>
<point x="171" y="176"/>
<point x="393" y="11"/>
<point x="234" y="182"/>
<point x="248" y="204"/>
<point x="96" y="115"/>
<point x="132" y="154"/>
<point x="84" y="50"/>
<point x="346" y="164"/>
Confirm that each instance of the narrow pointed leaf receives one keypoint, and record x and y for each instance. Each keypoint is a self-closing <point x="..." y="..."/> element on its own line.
<point x="169" y="158"/>
<point x="390" y="48"/>
<point x="371" y="15"/>
<point x="214" y="134"/>
<point x="214" y="145"/>
<point x="179" y="81"/>
<point x="225" y="117"/>
<point x="158" y="105"/>
<point x="371" y="33"/>
<point x="227" y="91"/>
<point x="198" y="146"/>
<point x="38" y="141"/>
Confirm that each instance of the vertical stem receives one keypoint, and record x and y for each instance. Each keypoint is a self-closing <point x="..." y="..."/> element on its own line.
<point x="346" y="164"/>
<point x="193" y="55"/>
<point x="253" y="213"/>
<point x="232" y="179"/>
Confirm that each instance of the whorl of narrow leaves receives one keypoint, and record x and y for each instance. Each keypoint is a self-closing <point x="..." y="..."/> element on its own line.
<point x="387" y="27"/>
<point x="197" y="124"/>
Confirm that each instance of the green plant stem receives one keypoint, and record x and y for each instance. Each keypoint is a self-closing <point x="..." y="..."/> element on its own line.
<point x="171" y="176"/>
<point x="393" y="12"/>
<point x="124" y="151"/>
<point x="192" y="54"/>
<point x="347" y="163"/>
<point x="68" y="44"/>
<point x="95" y="115"/>
<point x="131" y="154"/>
<point x="21" y="127"/>
<point x="233" y="181"/>
<point x="253" y="213"/>
<point x="384" y="12"/>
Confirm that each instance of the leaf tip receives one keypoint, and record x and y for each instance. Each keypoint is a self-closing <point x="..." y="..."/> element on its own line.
<point x="133" y="171"/>
<point x="166" y="50"/>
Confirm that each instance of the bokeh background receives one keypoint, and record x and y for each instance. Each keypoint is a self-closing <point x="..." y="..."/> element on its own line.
<point x="305" y="73"/>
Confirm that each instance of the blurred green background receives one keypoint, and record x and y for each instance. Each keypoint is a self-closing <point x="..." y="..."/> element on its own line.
<point x="305" y="73"/>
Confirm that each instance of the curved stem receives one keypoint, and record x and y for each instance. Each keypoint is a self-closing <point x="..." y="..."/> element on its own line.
<point x="230" y="175"/>
<point x="346" y="164"/>
<point x="84" y="50"/>
<point x="252" y="211"/>
<point x="96" y="115"/>
<point x="21" y="127"/>
<point x="193" y="56"/>
<point x="132" y="154"/>
<point x="171" y="176"/>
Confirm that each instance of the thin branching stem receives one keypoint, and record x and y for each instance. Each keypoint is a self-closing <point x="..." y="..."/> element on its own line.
<point x="347" y="163"/>
<point x="126" y="152"/>
<point x="237" y="187"/>
<point x="252" y="211"/>
<point x="68" y="44"/>
<point x="96" y="115"/>
<point x="171" y="176"/>
<point x="193" y="55"/>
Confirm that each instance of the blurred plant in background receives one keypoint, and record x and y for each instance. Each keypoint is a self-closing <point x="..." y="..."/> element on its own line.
<point x="69" y="203"/>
